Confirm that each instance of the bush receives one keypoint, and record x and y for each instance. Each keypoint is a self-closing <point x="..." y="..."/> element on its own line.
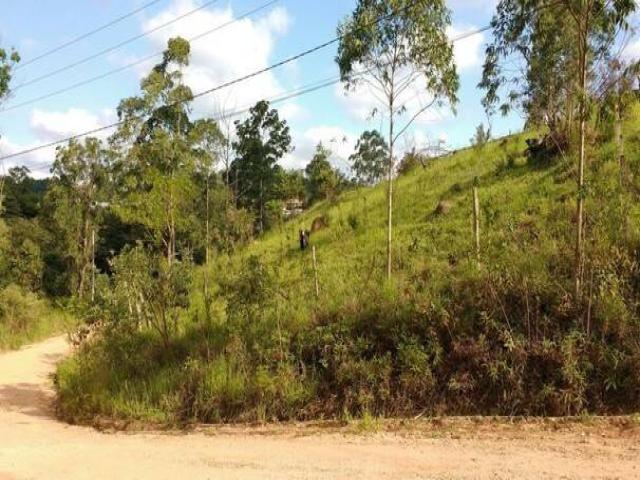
<point x="24" y="318"/>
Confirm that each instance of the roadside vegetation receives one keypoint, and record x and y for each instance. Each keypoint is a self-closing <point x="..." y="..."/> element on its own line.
<point x="449" y="335"/>
<point x="501" y="279"/>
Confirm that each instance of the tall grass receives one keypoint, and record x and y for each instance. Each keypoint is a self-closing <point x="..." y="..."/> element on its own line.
<point x="26" y="318"/>
<point x="446" y="335"/>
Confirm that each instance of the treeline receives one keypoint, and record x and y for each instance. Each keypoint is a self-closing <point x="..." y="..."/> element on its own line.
<point x="176" y="186"/>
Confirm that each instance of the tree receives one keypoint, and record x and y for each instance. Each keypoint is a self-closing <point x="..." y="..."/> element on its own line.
<point x="398" y="42"/>
<point x="262" y="140"/>
<point x="411" y="160"/>
<point x="7" y="62"/>
<point x="291" y="184"/>
<point x="157" y="162"/>
<point x="22" y="193"/>
<point x="210" y="143"/>
<point x="78" y="177"/>
<point x="322" y="181"/>
<point x="370" y="160"/>
<point x="481" y="137"/>
<point x="538" y="31"/>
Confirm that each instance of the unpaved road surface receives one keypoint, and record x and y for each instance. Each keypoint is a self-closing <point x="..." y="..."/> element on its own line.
<point x="34" y="445"/>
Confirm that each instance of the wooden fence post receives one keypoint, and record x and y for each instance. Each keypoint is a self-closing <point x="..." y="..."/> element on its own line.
<point x="476" y="222"/>
<point x="315" y="271"/>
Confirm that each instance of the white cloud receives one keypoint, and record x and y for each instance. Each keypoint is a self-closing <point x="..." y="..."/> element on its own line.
<point x="485" y="6"/>
<point x="238" y="49"/>
<point x="339" y="141"/>
<point x="38" y="161"/>
<point x="468" y="52"/>
<point x="632" y="51"/>
<point x="52" y="126"/>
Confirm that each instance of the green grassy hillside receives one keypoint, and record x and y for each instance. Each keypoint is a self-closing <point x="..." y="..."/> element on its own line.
<point x="446" y="335"/>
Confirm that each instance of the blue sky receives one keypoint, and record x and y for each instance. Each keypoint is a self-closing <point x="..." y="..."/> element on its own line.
<point x="283" y="29"/>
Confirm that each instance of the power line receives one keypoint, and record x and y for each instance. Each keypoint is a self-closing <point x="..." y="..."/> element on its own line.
<point x="197" y="37"/>
<point x="214" y="89"/>
<point x="309" y="88"/>
<point x="79" y="38"/>
<point x="133" y="64"/>
<point x="114" y="47"/>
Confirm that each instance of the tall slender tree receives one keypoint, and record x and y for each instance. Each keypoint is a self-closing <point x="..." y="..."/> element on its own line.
<point x="398" y="43"/>
<point x="261" y="140"/>
<point x="8" y="59"/>
<point x="158" y="161"/>
<point x="79" y="173"/>
<point x="209" y="145"/>
<point x="557" y="71"/>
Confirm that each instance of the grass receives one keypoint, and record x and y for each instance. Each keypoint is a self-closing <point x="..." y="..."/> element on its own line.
<point x="25" y="318"/>
<point x="445" y="336"/>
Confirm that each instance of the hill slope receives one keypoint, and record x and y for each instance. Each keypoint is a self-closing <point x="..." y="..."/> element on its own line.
<point x="445" y="336"/>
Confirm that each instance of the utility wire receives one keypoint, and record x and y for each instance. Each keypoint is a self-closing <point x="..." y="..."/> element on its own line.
<point x="79" y="38"/>
<point x="214" y="89"/>
<point x="133" y="64"/>
<point x="309" y="88"/>
<point x="114" y="47"/>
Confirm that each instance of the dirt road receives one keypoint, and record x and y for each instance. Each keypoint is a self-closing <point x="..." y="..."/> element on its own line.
<point x="34" y="445"/>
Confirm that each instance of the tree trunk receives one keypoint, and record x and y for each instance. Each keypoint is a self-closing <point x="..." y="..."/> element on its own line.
<point x="618" y="137"/>
<point x="476" y="223"/>
<point x="84" y="255"/>
<point x="390" y="192"/>
<point x="261" y="206"/>
<point x="315" y="272"/>
<point x="93" y="264"/>
<point x="171" y="246"/>
<point x="579" y="251"/>
<point x="206" y="249"/>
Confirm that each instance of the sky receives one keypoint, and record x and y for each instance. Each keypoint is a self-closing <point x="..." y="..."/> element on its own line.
<point x="239" y="45"/>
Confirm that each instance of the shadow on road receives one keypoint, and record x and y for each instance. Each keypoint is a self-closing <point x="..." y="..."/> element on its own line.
<point x="27" y="398"/>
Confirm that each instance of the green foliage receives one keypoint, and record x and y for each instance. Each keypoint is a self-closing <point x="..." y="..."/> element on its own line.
<point x="26" y="318"/>
<point x="144" y="292"/>
<point x="370" y="161"/>
<point x="23" y="195"/>
<point x="546" y="37"/>
<point x="262" y="140"/>
<point x="159" y="150"/>
<point x="79" y="176"/>
<point x="481" y="137"/>
<point x="410" y="161"/>
<point x="322" y="180"/>
<point x="445" y="337"/>
<point x="411" y="33"/>
<point x="7" y="63"/>
<point x="291" y="184"/>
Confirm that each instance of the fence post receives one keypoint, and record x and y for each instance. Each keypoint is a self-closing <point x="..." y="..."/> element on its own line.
<point x="476" y="222"/>
<point x="315" y="271"/>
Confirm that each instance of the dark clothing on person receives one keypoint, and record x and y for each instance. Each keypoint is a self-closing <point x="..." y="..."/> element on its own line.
<point x="304" y="239"/>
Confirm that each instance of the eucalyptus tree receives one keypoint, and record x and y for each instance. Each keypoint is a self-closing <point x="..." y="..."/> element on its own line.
<point x="157" y="166"/>
<point x="261" y="140"/>
<point x="8" y="59"/>
<point x="391" y="45"/>
<point x="560" y="45"/>
<point x="321" y="179"/>
<point x="370" y="160"/>
<point x="209" y="146"/>
<point x="79" y="175"/>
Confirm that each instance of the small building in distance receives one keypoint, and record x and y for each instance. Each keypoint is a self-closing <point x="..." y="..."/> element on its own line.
<point x="292" y="208"/>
